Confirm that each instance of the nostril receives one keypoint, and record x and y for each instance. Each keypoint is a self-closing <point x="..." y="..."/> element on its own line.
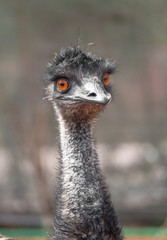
<point x="92" y="94"/>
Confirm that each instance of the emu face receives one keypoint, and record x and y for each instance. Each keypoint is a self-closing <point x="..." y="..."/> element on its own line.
<point x="79" y="82"/>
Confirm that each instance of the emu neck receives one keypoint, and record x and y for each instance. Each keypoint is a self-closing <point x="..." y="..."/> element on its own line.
<point x="84" y="209"/>
<point x="78" y="154"/>
<point x="80" y="169"/>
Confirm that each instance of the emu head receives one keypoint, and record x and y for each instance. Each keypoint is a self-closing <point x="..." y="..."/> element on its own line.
<point x="79" y="83"/>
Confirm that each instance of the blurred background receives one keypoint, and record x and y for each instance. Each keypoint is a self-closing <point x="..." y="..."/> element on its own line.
<point x="131" y="134"/>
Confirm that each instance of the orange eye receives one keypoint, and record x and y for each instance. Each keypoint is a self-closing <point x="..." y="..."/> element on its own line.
<point x="62" y="84"/>
<point x="106" y="79"/>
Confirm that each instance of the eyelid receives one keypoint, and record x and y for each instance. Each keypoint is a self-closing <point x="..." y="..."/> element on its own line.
<point x="56" y="78"/>
<point x="109" y="74"/>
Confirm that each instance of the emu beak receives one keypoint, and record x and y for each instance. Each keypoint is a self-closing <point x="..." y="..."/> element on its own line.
<point x="94" y="92"/>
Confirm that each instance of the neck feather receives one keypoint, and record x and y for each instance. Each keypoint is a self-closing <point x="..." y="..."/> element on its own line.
<point x="83" y="208"/>
<point x="80" y="167"/>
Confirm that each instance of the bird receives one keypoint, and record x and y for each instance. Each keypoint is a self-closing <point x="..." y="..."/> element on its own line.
<point x="79" y="87"/>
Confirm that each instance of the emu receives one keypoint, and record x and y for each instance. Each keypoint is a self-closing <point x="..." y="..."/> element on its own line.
<point x="79" y="88"/>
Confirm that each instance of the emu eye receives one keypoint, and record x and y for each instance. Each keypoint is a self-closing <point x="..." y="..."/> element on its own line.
<point x="106" y="79"/>
<point x="62" y="84"/>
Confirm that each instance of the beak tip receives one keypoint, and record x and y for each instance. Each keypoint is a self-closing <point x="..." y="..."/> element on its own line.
<point x="108" y="98"/>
